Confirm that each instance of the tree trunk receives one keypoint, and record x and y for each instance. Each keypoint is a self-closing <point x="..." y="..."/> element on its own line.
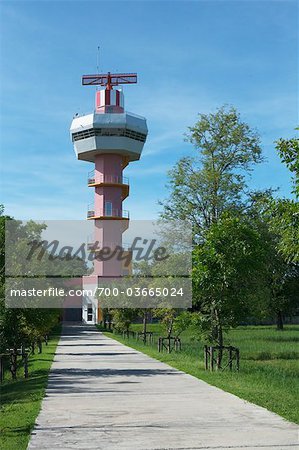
<point x="214" y="328"/>
<point x="219" y="340"/>
<point x="220" y="343"/>
<point x="170" y="326"/>
<point x="279" y="320"/>
<point x="13" y="364"/>
<point x="144" y="325"/>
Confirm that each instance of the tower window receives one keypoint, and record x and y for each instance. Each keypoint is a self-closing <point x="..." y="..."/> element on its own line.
<point x="108" y="209"/>
<point x="119" y="132"/>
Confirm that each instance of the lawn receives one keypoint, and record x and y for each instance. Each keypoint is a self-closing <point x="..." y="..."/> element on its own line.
<point x="269" y="365"/>
<point x="21" y="399"/>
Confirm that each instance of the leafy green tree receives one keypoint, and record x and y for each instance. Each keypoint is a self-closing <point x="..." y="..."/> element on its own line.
<point x="228" y="276"/>
<point x="285" y="212"/>
<point x="284" y="290"/>
<point x="288" y="150"/>
<point x="122" y="318"/>
<point x="182" y="322"/>
<point x="212" y="182"/>
<point x="167" y="317"/>
<point x="23" y="326"/>
<point x="285" y="224"/>
<point x="281" y="272"/>
<point x="210" y="191"/>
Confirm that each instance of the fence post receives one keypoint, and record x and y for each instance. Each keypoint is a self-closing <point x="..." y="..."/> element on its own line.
<point x="25" y="359"/>
<point x="238" y="359"/>
<point x="230" y="356"/>
<point x="211" y="359"/>
<point x="13" y="364"/>
<point x="159" y="345"/>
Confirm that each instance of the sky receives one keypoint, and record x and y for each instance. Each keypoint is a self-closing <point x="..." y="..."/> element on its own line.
<point x="191" y="57"/>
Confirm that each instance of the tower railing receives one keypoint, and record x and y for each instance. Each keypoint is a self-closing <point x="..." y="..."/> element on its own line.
<point x="105" y="178"/>
<point x="113" y="213"/>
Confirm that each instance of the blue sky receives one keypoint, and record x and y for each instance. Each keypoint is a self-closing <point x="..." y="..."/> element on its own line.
<point x="191" y="57"/>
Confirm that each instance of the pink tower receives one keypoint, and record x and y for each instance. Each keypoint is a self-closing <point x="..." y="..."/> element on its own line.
<point x="110" y="138"/>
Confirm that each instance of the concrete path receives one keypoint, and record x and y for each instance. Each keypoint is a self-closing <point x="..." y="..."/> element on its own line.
<point x="104" y="395"/>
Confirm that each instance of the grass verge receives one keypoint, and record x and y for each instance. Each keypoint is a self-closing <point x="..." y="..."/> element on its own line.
<point x="21" y="399"/>
<point x="269" y="365"/>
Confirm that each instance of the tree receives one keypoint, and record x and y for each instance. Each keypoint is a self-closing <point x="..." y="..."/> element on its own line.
<point x="210" y="191"/>
<point x="167" y="317"/>
<point x="174" y="320"/>
<point x="122" y="318"/>
<point x="284" y="293"/>
<point x="282" y="272"/>
<point x="22" y="326"/>
<point x="288" y="150"/>
<point x="228" y="276"/>
<point x="285" y="224"/>
<point x="285" y="212"/>
<point x="203" y="187"/>
<point x="182" y="322"/>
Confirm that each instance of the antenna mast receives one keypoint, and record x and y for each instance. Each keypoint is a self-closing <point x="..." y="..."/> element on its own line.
<point x="98" y="60"/>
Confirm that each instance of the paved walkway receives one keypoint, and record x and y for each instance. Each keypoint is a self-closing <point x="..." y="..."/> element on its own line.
<point x="104" y="395"/>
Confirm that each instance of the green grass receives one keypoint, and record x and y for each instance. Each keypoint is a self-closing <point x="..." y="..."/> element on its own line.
<point x="269" y="365"/>
<point x="21" y="399"/>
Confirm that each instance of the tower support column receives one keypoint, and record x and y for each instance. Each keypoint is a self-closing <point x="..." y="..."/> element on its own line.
<point x="108" y="206"/>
